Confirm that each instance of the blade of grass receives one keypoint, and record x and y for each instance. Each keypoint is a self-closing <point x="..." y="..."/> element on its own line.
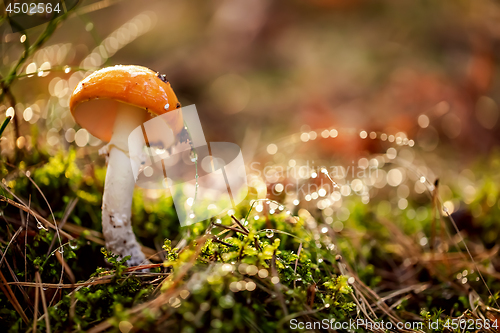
<point x="69" y="208"/>
<point x="37" y="216"/>
<point x="35" y="318"/>
<point x="12" y="298"/>
<point x="452" y="220"/>
<point x="26" y="242"/>
<point x="10" y="242"/>
<point x="44" y="301"/>
<point x="50" y="209"/>
<point x="4" y="124"/>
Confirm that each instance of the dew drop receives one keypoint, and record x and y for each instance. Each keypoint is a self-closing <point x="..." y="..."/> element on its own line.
<point x="61" y="250"/>
<point x="269" y="233"/>
<point x="73" y="244"/>
<point x="39" y="225"/>
<point x="193" y="156"/>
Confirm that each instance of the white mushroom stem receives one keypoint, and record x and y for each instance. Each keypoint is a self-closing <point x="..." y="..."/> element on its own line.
<point x="119" y="188"/>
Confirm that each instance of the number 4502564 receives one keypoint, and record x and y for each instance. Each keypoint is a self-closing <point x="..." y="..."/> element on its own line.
<point x="471" y="324"/>
<point x="32" y="8"/>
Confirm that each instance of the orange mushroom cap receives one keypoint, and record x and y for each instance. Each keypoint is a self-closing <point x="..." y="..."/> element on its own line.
<point x="96" y="98"/>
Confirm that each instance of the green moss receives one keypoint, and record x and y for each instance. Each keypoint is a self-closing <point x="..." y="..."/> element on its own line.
<point x="219" y="280"/>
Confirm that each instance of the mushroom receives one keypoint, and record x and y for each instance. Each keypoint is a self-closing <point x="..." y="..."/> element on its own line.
<point x="110" y="103"/>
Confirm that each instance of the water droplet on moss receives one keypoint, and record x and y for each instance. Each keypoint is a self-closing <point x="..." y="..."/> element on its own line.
<point x="269" y="233"/>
